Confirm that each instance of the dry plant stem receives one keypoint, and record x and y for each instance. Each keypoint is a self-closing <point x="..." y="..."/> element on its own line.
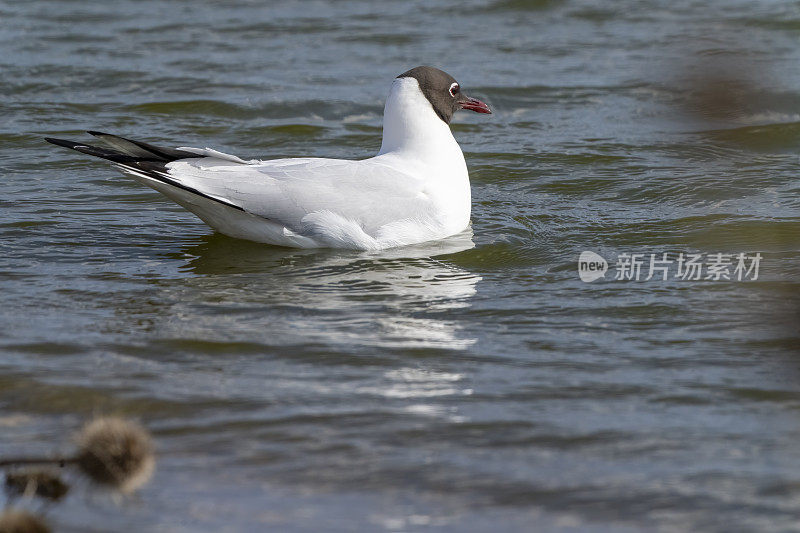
<point x="60" y="461"/>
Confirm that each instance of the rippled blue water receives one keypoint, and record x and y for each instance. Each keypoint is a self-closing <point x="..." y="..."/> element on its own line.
<point x="470" y="385"/>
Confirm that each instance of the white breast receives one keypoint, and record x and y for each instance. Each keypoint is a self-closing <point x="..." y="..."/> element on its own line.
<point x="414" y="137"/>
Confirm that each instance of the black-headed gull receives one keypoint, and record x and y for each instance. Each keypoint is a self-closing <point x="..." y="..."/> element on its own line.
<point x="415" y="190"/>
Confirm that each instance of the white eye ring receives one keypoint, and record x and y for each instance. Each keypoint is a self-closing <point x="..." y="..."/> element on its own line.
<point x="453" y="89"/>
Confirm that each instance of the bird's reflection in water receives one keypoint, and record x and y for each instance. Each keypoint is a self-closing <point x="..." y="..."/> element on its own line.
<point x="249" y="292"/>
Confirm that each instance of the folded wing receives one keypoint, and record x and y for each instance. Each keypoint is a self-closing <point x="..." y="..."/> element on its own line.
<point x="297" y="192"/>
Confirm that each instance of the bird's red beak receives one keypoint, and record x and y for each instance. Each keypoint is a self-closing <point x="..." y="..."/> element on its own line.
<point x="473" y="104"/>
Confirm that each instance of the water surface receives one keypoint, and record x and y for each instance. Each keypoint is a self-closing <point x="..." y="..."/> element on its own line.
<point x="470" y="385"/>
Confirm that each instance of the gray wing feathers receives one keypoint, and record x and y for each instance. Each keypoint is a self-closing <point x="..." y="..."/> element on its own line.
<point x="365" y="192"/>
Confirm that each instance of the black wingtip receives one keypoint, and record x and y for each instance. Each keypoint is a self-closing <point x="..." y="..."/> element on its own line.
<point x="62" y="142"/>
<point x="111" y="155"/>
<point x="154" y="169"/>
<point x="124" y="150"/>
<point x="167" y="154"/>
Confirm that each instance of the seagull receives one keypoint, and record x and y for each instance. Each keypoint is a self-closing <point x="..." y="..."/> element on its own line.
<point x="416" y="189"/>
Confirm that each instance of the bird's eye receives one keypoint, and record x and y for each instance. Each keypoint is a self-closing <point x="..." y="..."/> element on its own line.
<point x="454" y="90"/>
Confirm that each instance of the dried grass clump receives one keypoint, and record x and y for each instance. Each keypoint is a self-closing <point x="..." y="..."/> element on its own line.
<point x="116" y="452"/>
<point x="14" y="521"/>
<point x="42" y="482"/>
